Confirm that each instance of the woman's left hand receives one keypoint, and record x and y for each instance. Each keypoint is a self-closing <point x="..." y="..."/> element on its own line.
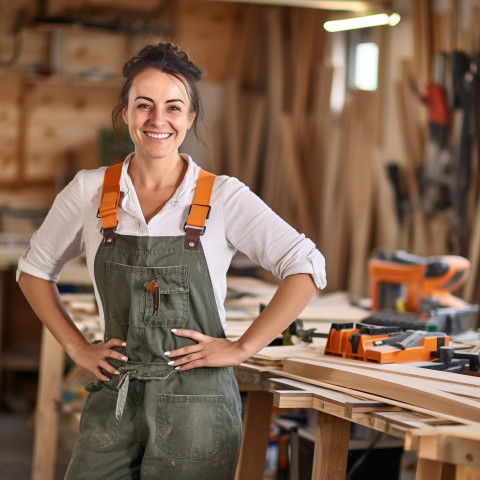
<point x="207" y="352"/>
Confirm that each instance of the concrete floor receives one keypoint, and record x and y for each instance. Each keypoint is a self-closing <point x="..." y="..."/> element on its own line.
<point x="16" y="447"/>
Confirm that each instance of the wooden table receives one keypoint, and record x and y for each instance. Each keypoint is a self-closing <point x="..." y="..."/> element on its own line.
<point x="444" y="451"/>
<point x="431" y="438"/>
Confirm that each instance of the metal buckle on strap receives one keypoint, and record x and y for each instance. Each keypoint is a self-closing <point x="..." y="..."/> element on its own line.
<point x="185" y="226"/>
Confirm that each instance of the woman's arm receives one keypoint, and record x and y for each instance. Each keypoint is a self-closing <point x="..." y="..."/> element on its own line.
<point x="44" y="298"/>
<point x="291" y="297"/>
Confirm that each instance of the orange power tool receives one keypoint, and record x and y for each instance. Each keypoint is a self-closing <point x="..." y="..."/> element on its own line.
<point x="378" y="344"/>
<point x="416" y="281"/>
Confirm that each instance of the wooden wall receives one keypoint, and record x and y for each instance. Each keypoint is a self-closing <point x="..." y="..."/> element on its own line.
<point x="61" y="90"/>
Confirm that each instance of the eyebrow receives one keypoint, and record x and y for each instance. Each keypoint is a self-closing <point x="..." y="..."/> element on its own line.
<point x="168" y="101"/>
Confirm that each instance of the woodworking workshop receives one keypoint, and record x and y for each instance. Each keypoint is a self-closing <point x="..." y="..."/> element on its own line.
<point x="239" y="240"/>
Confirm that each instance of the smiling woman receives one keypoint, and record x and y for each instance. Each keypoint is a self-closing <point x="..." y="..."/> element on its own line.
<point x="159" y="234"/>
<point x="157" y="123"/>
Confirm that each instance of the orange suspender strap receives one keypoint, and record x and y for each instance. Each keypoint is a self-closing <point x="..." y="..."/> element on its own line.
<point x="109" y="204"/>
<point x="199" y="210"/>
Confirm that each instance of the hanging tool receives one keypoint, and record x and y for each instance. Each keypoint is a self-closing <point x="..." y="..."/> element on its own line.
<point x="465" y="86"/>
<point x="435" y="177"/>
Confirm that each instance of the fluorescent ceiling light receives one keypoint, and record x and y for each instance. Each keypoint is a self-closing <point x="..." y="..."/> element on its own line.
<point x="362" y="22"/>
<point x="345" y="5"/>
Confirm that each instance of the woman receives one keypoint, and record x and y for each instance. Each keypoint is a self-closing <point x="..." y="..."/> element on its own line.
<point x="159" y="234"/>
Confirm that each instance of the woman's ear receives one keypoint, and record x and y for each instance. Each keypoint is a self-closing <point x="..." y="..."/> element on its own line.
<point x="191" y="119"/>
<point x="125" y="115"/>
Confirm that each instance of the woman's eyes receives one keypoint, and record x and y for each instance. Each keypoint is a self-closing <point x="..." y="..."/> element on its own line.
<point x="146" y="106"/>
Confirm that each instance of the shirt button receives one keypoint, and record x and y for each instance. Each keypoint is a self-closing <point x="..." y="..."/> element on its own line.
<point x="191" y="244"/>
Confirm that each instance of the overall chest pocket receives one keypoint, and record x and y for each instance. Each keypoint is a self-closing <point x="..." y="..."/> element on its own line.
<point x="130" y="302"/>
<point x="167" y="306"/>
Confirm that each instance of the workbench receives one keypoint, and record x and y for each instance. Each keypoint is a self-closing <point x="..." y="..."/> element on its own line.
<point x="265" y="386"/>
<point x="442" y="447"/>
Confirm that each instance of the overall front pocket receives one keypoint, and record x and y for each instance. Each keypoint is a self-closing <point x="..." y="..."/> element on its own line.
<point x="189" y="426"/>
<point x="98" y="424"/>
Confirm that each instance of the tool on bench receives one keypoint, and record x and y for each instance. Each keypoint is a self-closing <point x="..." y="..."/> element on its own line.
<point x="451" y="360"/>
<point x="421" y="287"/>
<point x="378" y="344"/>
<point x="307" y="336"/>
<point x="417" y="281"/>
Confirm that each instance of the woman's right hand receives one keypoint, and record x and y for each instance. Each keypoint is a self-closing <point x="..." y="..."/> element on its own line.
<point x="94" y="357"/>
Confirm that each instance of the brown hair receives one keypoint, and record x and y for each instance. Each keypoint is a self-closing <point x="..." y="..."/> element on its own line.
<point x="169" y="59"/>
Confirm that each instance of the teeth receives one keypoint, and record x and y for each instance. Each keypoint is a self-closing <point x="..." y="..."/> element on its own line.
<point x="159" y="135"/>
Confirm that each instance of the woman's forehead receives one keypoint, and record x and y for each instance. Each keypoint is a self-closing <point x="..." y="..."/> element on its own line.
<point x="156" y="82"/>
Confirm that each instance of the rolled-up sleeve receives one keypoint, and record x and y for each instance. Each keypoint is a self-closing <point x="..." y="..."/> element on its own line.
<point x="256" y="230"/>
<point x="59" y="239"/>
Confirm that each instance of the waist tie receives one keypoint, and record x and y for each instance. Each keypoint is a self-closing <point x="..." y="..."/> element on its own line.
<point x="121" y="382"/>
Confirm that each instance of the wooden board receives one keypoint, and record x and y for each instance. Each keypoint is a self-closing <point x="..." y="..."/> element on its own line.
<point x="410" y="392"/>
<point x="405" y="369"/>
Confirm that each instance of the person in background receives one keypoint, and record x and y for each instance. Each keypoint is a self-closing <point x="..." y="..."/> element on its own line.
<point x="159" y="234"/>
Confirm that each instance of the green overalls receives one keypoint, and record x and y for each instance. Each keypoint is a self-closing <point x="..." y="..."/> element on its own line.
<point x="152" y="421"/>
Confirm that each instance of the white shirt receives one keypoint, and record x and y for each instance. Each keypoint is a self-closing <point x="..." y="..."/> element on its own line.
<point x="239" y="221"/>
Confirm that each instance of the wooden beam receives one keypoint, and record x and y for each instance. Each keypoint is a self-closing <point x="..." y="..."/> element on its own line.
<point x="52" y="362"/>
<point x="331" y="448"/>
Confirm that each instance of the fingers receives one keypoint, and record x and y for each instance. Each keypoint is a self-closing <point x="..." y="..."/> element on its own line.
<point x="193" y="334"/>
<point x="96" y="358"/>
<point x="116" y="342"/>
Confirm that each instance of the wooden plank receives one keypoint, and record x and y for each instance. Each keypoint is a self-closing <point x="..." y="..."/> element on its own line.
<point x="436" y="378"/>
<point x="348" y="401"/>
<point x="12" y="112"/>
<point x="294" y="181"/>
<point x="360" y="192"/>
<point x="407" y="419"/>
<point x="363" y="395"/>
<point x="255" y="435"/>
<point x="52" y="363"/>
<point x="382" y="384"/>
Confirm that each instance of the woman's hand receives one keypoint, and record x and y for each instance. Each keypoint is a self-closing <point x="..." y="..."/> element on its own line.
<point x="94" y="357"/>
<point x="208" y="352"/>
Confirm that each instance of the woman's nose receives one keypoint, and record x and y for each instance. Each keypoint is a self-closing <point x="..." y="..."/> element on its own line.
<point x="158" y="116"/>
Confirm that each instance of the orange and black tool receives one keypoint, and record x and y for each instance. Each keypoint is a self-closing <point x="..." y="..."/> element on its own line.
<point x="377" y="344"/>
<point x="415" y="281"/>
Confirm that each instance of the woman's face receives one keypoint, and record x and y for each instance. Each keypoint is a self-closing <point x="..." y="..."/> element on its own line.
<point x="158" y="114"/>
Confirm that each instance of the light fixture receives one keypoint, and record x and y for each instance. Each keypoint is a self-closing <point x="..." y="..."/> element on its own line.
<point x="362" y="22"/>
<point x="346" y="5"/>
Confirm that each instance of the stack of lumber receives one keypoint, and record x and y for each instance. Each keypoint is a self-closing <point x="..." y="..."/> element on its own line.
<point x="319" y="170"/>
<point x="448" y="396"/>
